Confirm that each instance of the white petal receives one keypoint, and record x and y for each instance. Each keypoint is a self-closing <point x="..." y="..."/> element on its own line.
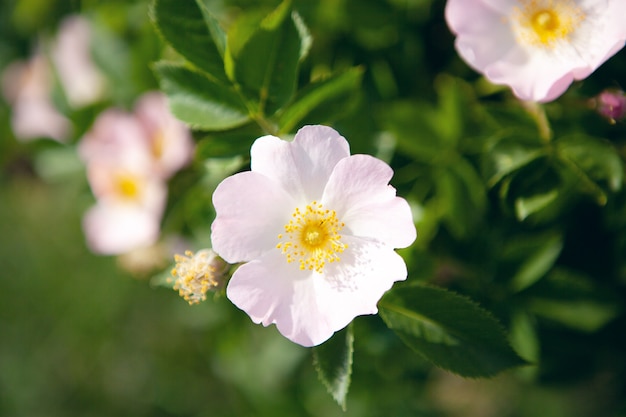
<point x="306" y="307"/>
<point x="303" y="166"/>
<point x="484" y="34"/>
<point x="251" y="210"/>
<point x="359" y="191"/>
<point x="117" y="228"/>
<point x="271" y="291"/>
<point x="354" y="285"/>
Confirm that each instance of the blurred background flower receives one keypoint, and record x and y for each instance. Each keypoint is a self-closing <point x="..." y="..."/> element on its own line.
<point x="536" y="47"/>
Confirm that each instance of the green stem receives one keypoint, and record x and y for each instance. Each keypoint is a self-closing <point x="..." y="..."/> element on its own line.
<point x="538" y="113"/>
<point x="265" y="124"/>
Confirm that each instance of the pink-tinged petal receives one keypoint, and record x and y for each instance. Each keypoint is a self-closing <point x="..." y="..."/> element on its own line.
<point x="82" y="81"/>
<point x="115" y="135"/>
<point x="115" y="183"/>
<point x="32" y="119"/>
<point x="503" y="7"/>
<point x="271" y="291"/>
<point x="27" y="87"/>
<point x="113" y="229"/>
<point x="531" y="77"/>
<point x="308" y="307"/>
<point x="354" y="285"/>
<point x="494" y="39"/>
<point x="359" y="191"/>
<point x="302" y="166"/>
<point x="251" y="211"/>
<point x="169" y="140"/>
<point x="484" y="35"/>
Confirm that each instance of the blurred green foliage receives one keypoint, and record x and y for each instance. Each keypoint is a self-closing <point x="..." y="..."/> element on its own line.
<point x="520" y="208"/>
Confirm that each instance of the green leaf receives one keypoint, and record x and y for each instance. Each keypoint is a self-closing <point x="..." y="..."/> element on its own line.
<point x="190" y="29"/>
<point x="575" y="300"/>
<point x="535" y="256"/>
<point x="450" y="330"/>
<point x="507" y="156"/>
<point x="333" y="361"/>
<point x="200" y="101"/>
<point x="462" y="194"/>
<point x="338" y="87"/>
<point x="584" y="315"/>
<point x="594" y="161"/>
<point x="414" y="133"/>
<point x="262" y="56"/>
<point x="527" y="205"/>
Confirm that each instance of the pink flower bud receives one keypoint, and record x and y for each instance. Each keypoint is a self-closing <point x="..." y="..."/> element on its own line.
<point x="611" y="104"/>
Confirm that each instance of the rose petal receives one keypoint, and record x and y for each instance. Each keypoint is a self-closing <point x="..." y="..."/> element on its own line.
<point x="116" y="228"/>
<point x="486" y="37"/>
<point x="358" y="191"/>
<point x="307" y="307"/>
<point x="488" y="41"/>
<point x="251" y="210"/>
<point x="303" y="166"/>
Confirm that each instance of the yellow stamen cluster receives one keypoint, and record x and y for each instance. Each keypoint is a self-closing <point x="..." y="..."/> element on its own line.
<point x="545" y="22"/>
<point x="194" y="275"/>
<point x="312" y="238"/>
<point x="127" y="186"/>
<point x="158" y="144"/>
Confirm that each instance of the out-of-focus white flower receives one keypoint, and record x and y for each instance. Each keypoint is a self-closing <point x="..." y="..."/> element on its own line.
<point x="168" y="139"/>
<point x="316" y="228"/>
<point x="130" y="198"/>
<point x="113" y="229"/>
<point x="537" y="47"/>
<point x="82" y="81"/>
<point x="129" y="156"/>
<point x="195" y="275"/>
<point x="27" y="87"/>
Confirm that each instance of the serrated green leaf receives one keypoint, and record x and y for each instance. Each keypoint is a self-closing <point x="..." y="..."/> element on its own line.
<point x="188" y="27"/>
<point x="262" y="56"/>
<point x="216" y="31"/>
<point x="200" y="101"/>
<point x="451" y="331"/>
<point x="333" y="362"/>
<point x="337" y="87"/>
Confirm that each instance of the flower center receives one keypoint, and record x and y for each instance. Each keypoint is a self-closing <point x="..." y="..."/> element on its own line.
<point x="158" y="144"/>
<point x="196" y="274"/>
<point x="127" y="186"/>
<point x="545" y="22"/>
<point x="312" y="238"/>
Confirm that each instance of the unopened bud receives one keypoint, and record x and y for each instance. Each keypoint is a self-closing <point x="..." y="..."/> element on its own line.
<point x="611" y="104"/>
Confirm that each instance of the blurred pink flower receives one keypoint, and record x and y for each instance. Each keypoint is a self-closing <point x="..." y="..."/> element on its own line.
<point x="168" y="139"/>
<point x="113" y="229"/>
<point x="129" y="156"/>
<point x="82" y="81"/>
<point x="537" y="47"/>
<point x="317" y="229"/>
<point x="27" y="87"/>
<point x="130" y="198"/>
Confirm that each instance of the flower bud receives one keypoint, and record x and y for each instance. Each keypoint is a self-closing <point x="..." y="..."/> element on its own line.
<point x="611" y="104"/>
